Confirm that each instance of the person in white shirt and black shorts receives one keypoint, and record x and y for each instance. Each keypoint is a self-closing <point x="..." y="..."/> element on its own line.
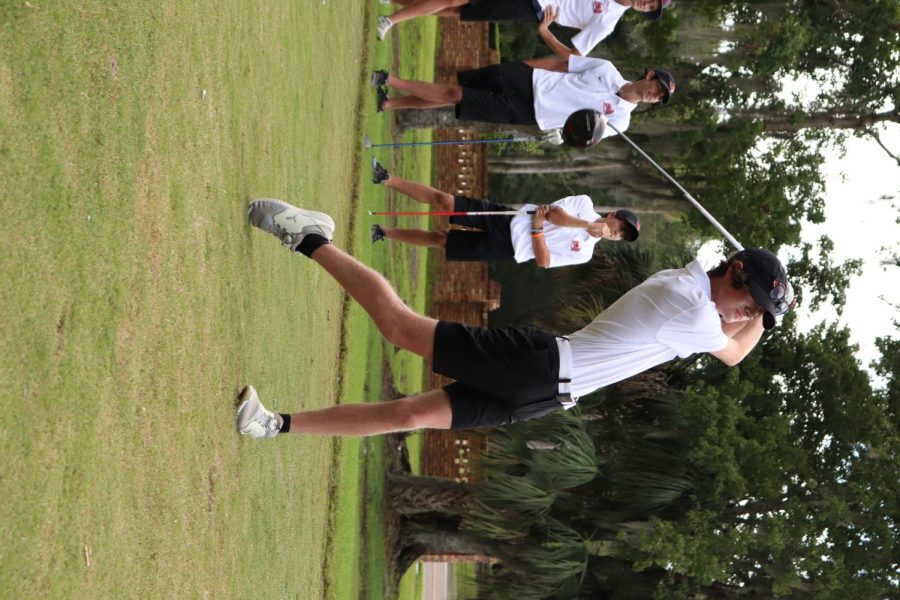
<point x="595" y="19"/>
<point x="542" y="92"/>
<point x="556" y="235"/>
<point x="503" y="375"/>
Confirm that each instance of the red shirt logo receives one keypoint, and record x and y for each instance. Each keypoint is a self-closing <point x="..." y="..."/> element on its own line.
<point x="575" y="246"/>
<point x="598" y="6"/>
<point x="608" y="108"/>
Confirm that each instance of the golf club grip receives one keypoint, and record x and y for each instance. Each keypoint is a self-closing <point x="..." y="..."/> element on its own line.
<point x="449" y="213"/>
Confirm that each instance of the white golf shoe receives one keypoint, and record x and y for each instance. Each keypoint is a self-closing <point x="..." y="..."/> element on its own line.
<point x="382" y="26"/>
<point x="289" y="223"/>
<point x="254" y="419"/>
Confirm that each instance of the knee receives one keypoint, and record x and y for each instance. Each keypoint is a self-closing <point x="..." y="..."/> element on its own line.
<point x="392" y="326"/>
<point x="410" y="414"/>
<point x="454" y="94"/>
<point x="442" y="200"/>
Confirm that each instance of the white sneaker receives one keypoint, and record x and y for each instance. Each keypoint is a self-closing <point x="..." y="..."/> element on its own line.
<point x="254" y="419"/>
<point x="385" y="2"/>
<point x="289" y="223"/>
<point x="384" y="25"/>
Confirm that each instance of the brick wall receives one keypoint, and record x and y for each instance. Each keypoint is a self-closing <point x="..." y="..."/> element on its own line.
<point x="462" y="291"/>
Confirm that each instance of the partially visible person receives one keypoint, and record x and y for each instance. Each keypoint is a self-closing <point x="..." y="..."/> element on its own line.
<point x="595" y="18"/>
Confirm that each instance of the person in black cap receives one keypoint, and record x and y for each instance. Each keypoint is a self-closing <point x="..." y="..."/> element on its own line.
<point x="559" y="234"/>
<point x="595" y="19"/>
<point x="508" y="374"/>
<point x="542" y="92"/>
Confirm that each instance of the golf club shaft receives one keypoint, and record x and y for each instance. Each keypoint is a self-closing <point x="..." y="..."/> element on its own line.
<point x="450" y="142"/>
<point x="451" y="213"/>
<point x="693" y="201"/>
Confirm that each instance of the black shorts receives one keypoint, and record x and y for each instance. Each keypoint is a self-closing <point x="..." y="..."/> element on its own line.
<point x="503" y="374"/>
<point x="493" y="241"/>
<point x="502" y="93"/>
<point x="500" y="11"/>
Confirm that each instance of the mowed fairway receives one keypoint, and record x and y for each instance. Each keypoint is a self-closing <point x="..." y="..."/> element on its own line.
<point x="136" y="301"/>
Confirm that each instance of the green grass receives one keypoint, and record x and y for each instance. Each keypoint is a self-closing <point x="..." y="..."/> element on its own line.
<point x="358" y="526"/>
<point x="137" y="302"/>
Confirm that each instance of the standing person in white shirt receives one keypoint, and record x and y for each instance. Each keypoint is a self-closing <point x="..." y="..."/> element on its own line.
<point x="557" y="235"/>
<point x="595" y="18"/>
<point x="509" y="374"/>
<point x="542" y="92"/>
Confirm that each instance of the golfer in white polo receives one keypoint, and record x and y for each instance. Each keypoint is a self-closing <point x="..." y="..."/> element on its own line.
<point x="555" y="235"/>
<point x="542" y="92"/>
<point x="509" y="374"/>
<point x="595" y="18"/>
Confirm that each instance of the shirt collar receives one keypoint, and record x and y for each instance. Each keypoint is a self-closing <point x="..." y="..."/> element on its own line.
<point x="698" y="273"/>
<point x="623" y="103"/>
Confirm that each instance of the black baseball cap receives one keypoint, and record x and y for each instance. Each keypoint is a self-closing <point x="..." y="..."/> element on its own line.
<point x="767" y="279"/>
<point x="631" y="219"/>
<point x="667" y="81"/>
<point x="654" y="15"/>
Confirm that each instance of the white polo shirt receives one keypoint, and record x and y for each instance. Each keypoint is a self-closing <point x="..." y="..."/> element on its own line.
<point x="670" y="314"/>
<point x="567" y="245"/>
<point x="595" y="18"/>
<point x="590" y="83"/>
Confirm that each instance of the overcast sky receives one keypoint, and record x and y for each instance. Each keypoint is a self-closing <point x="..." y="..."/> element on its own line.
<point x="863" y="207"/>
<point x="862" y="211"/>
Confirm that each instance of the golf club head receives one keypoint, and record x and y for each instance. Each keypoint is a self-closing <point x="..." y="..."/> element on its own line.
<point x="554" y="137"/>
<point x="583" y="128"/>
<point x="367" y="141"/>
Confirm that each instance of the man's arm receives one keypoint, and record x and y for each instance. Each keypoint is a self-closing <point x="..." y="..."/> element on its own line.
<point x="548" y="64"/>
<point x="559" y="217"/>
<point x="742" y="338"/>
<point x="558" y="48"/>
<point x="538" y="243"/>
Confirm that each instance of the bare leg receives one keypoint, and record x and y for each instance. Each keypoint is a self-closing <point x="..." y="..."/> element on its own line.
<point x="420" y="8"/>
<point x="429" y="410"/>
<point x="435" y="92"/>
<point x="420" y="192"/>
<point x="399" y="324"/>
<point x="401" y="102"/>
<point x="447" y="12"/>
<point x="417" y="237"/>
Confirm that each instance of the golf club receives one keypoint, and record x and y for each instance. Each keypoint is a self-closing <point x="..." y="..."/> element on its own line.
<point x="450" y="213"/>
<point x="554" y="137"/>
<point x="738" y="246"/>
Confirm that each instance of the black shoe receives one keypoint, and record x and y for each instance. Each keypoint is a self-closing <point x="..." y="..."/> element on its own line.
<point x="377" y="233"/>
<point x="380" y="98"/>
<point x="379" y="78"/>
<point x="379" y="173"/>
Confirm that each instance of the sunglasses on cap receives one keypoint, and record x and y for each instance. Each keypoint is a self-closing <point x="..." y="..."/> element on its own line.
<point x="782" y="297"/>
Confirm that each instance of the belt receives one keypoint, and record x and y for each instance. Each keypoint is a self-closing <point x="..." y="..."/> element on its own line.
<point x="565" y="369"/>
